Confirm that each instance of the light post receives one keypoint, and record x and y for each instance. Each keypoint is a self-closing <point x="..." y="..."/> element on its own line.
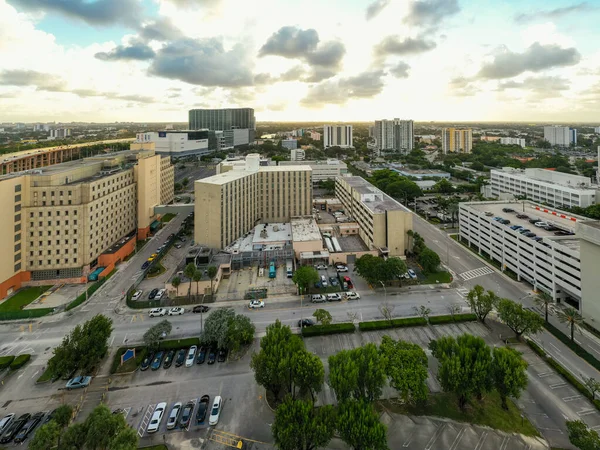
<point x="384" y="290"/>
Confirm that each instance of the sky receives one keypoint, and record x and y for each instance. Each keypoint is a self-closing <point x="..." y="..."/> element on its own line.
<point x="308" y="60"/>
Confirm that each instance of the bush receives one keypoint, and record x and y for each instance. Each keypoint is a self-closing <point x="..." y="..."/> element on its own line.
<point x="46" y="376"/>
<point x="6" y="361"/>
<point x="25" y="314"/>
<point x="395" y="323"/>
<point x="572" y="345"/>
<point x="175" y="344"/>
<point x="437" y="320"/>
<point x="20" y="361"/>
<point x="333" y="328"/>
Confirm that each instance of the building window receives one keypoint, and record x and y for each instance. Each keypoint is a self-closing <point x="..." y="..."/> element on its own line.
<point x="17" y="257"/>
<point x="17" y="198"/>
<point x="17" y="208"/>
<point x="17" y="188"/>
<point x="17" y="237"/>
<point x="18" y="265"/>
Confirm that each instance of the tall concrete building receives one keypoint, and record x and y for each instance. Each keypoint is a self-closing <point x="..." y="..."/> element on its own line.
<point x="394" y="135"/>
<point x="559" y="136"/>
<point x="457" y="140"/>
<point x="573" y="136"/>
<point x="61" y="218"/>
<point x="383" y="132"/>
<point x="231" y="203"/>
<point x="177" y="143"/>
<point x="513" y="141"/>
<point x="222" y="119"/>
<point x="337" y="136"/>
<point x="404" y="138"/>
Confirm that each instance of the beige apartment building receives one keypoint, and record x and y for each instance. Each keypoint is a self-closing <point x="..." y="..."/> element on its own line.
<point x="383" y="221"/>
<point x="62" y="217"/>
<point x="231" y="203"/>
<point x="457" y="140"/>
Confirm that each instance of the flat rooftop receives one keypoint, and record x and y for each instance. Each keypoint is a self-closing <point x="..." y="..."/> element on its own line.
<point x="232" y="175"/>
<point x="305" y="229"/>
<point x="382" y="203"/>
<point x="269" y="233"/>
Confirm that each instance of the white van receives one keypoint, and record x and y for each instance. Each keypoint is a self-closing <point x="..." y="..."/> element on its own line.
<point x="318" y="298"/>
<point x="334" y="297"/>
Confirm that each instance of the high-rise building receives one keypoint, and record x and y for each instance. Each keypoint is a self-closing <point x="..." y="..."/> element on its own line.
<point x="242" y="195"/>
<point x="393" y="135"/>
<point x="297" y="154"/>
<point x="404" y="138"/>
<point x="512" y="141"/>
<point x="177" y="143"/>
<point x="559" y="136"/>
<point x="597" y="130"/>
<point x="457" y="140"/>
<point x="337" y="136"/>
<point x="222" y="119"/>
<point x="573" y="136"/>
<point x="60" y="133"/>
<point x="384" y="135"/>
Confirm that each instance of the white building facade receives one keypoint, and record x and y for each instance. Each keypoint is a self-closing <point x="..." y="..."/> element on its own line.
<point x="177" y="143"/>
<point x="290" y="144"/>
<point x="297" y="154"/>
<point x="322" y="170"/>
<point x="512" y="141"/>
<point x="393" y="135"/>
<point x="559" y="136"/>
<point x="337" y="136"/>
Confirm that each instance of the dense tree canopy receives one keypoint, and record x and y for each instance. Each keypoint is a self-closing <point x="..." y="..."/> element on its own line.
<point x="227" y="329"/>
<point x="406" y="367"/>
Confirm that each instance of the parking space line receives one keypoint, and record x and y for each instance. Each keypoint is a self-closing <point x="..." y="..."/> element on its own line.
<point x="545" y="374"/>
<point x="571" y="398"/>
<point x="435" y="437"/>
<point x="505" y="442"/>
<point x="145" y="420"/>
<point x="408" y="439"/>
<point x="481" y="440"/>
<point x="587" y="412"/>
<point x="558" y="385"/>
<point x="457" y="439"/>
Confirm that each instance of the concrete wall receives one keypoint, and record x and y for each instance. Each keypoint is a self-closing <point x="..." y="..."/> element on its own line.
<point x="307" y="246"/>
<point x="590" y="281"/>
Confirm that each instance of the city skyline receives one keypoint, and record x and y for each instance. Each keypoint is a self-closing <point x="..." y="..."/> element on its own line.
<point x="149" y="60"/>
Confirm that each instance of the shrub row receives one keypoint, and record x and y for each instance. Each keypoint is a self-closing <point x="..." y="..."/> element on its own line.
<point x="572" y="345"/>
<point x="175" y="344"/>
<point x="25" y="314"/>
<point x="20" y="361"/>
<point x="334" y="328"/>
<point x="568" y="376"/>
<point x="436" y="320"/>
<point x="90" y="291"/>
<point x="394" y="323"/>
<point x="6" y="361"/>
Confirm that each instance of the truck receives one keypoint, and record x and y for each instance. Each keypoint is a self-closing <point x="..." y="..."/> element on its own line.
<point x="95" y="274"/>
<point x="272" y="270"/>
<point x="289" y="268"/>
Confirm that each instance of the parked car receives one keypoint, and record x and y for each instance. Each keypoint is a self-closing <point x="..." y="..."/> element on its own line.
<point x="147" y="361"/>
<point x="321" y="267"/>
<point x="160" y="294"/>
<point x="174" y="416"/>
<point x="523" y="230"/>
<point x="351" y="295"/>
<point x="157" y="361"/>
<point x="50" y="416"/>
<point x="5" y="422"/>
<point x="489" y="214"/>
<point x="318" y="298"/>
<point x="222" y="355"/>
<point x="145" y="265"/>
<point x="333" y="281"/>
<point x="200" y="309"/>
<point x="176" y="311"/>
<point x="324" y="281"/>
<point x="28" y="427"/>
<point x="341" y="268"/>
<point x="191" y="356"/>
<point x="180" y="359"/>
<point x="334" y="297"/>
<point x="212" y="356"/>
<point x="529" y="234"/>
<point x="157" y="312"/>
<point x="177" y="245"/>
<point x="78" y="382"/>
<point x="522" y="216"/>
<point x="508" y="210"/>
<point x="534" y="220"/>
<point x="202" y="409"/>
<point x="169" y="359"/>
<point x="541" y="224"/>
<point x="305" y="323"/>
<point x="215" y="413"/>
<point x="13" y="428"/>
<point x="186" y="414"/>
<point x="156" y="419"/>
<point x="254" y="304"/>
<point x="201" y="357"/>
<point x="137" y="295"/>
<point x="411" y="274"/>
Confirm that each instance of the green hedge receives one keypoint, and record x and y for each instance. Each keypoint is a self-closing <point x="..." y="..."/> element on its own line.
<point x="572" y="345"/>
<point x="20" y="361"/>
<point x="334" y="328"/>
<point x="6" y="361"/>
<point x="25" y="314"/>
<point x="90" y="291"/>
<point x="140" y="353"/>
<point x="395" y="323"/>
<point x="436" y="320"/>
<point x="175" y="344"/>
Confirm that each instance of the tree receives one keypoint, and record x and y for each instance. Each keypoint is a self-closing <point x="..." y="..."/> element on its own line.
<point x="73" y="438"/>
<point x="509" y="373"/>
<point x="393" y="268"/>
<point x="299" y="426"/>
<point x="572" y="317"/>
<point x="185" y="182"/>
<point x="453" y="209"/>
<point x="63" y="415"/>
<point x="304" y="277"/>
<point x="46" y="437"/>
<point x="454" y="309"/>
<point x="481" y="302"/>
<point x="108" y="431"/>
<point x="328" y="185"/>
<point x="212" y="273"/>
<point x="543" y="300"/>
<point x="387" y="310"/>
<point x="464" y="366"/>
<point x="359" y="426"/>
<point x="323" y="316"/>
<point x="358" y="373"/>
<point x="593" y="386"/>
<point x="309" y="373"/>
<point x="423" y="311"/>
<point x="581" y="436"/>
<point x="177" y="187"/>
<point x="429" y="260"/>
<point x="519" y="319"/>
<point x="406" y="367"/>
<point x="197" y="277"/>
<point x="176" y="282"/>
<point x="444" y="186"/>
<point x="155" y="333"/>
<point x="370" y="268"/>
<point x="272" y="365"/>
<point x="240" y="331"/>
<point x="189" y="272"/>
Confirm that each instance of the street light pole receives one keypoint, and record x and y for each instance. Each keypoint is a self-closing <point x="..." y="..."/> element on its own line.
<point x="384" y="290"/>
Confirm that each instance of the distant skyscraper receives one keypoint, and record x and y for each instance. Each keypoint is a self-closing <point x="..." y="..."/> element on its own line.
<point x="403" y="136"/>
<point x="455" y="140"/>
<point x="222" y="119"/>
<point x="393" y="135"/>
<point x="337" y="135"/>
<point x="559" y="136"/>
<point x="512" y="141"/>
<point x="597" y="130"/>
<point x="384" y="135"/>
<point x="573" y="135"/>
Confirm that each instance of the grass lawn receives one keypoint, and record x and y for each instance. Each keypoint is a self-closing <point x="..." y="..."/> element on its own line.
<point x="167" y="217"/>
<point x="46" y="376"/>
<point x="22" y="298"/>
<point x="157" y="270"/>
<point x="488" y="412"/>
<point x="441" y="277"/>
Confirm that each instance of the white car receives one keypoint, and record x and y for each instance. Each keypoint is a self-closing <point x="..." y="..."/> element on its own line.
<point x="137" y="295"/>
<point x="321" y="267"/>
<point x="174" y="416"/>
<point x="189" y="361"/>
<point x="176" y="311"/>
<point x="351" y="295"/>
<point x="412" y="274"/>
<point x="255" y="304"/>
<point x="157" y="416"/>
<point x="215" y="412"/>
<point x="157" y="312"/>
<point x="341" y="268"/>
<point x="160" y="294"/>
<point x="6" y="421"/>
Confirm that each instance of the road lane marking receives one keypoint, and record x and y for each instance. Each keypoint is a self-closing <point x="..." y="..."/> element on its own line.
<point x="557" y="385"/>
<point x="571" y="398"/>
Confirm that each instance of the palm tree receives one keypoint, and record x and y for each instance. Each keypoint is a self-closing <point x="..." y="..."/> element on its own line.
<point x="572" y="317"/>
<point x="197" y="277"/>
<point x="189" y="272"/>
<point x="543" y="300"/>
<point x="212" y="273"/>
<point x="452" y="209"/>
<point x="176" y="282"/>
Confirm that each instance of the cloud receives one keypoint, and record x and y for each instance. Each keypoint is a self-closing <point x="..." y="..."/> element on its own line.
<point x="196" y="3"/>
<point x="429" y="13"/>
<point x="290" y="42"/>
<point x="42" y="81"/>
<point x="138" y="52"/>
<point x="203" y="62"/>
<point x="98" y="12"/>
<point x="400" y="70"/>
<point x="319" y="74"/>
<point x="375" y="8"/>
<point x="462" y="87"/>
<point x="364" y="85"/>
<point x="548" y="84"/>
<point x="555" y="13"/>
<point x="329" y="54"/>
<point x="534" y="59"/>
<point x="392" y="45"/>
<point x="161" y="29"/>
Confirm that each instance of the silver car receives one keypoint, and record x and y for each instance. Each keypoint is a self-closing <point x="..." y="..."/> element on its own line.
<point x="174" y="416"/>
<point x="157" y="416"/>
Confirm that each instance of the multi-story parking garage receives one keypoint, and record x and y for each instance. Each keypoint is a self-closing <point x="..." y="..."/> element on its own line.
<point x="548" y="258"/>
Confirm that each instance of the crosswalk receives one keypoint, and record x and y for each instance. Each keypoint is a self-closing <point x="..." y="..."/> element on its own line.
<point x="470" y="274"/>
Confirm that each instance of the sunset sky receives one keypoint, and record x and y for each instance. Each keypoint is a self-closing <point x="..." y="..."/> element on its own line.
<point x="334" y="60"/>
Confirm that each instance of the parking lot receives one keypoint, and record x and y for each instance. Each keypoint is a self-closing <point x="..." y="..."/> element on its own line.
<point x="240" y="281"/>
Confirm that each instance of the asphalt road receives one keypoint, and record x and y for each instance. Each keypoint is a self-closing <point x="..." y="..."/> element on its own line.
<point x="193" y="172"/>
